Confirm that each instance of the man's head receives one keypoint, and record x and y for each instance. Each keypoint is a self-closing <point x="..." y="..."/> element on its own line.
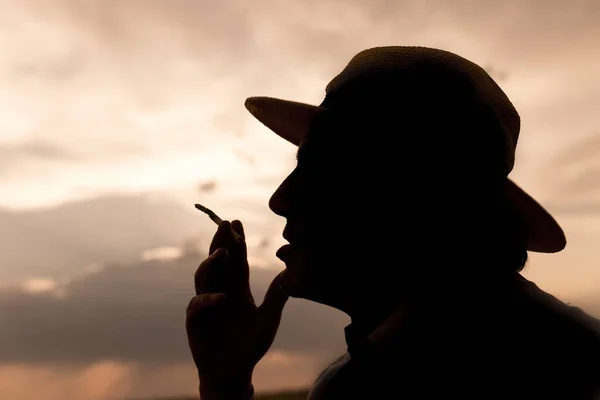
<point x="382" y="213"/>
<point x="401" y="178"/>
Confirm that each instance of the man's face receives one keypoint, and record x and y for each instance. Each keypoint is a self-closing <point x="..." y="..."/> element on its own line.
<point x="318" y="202"/>
<point x="356" y="215"/>
<point x="359" y="212"/>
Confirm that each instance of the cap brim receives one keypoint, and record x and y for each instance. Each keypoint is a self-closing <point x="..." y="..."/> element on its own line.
<point x="289" y="119"/>
<point x="292" y="120"/>
<point x="544" y="234"/>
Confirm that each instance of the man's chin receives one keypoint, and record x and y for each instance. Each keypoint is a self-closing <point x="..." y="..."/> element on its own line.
<point x="297" y="279"/>
<point x="295" y="263"/>
<point x="294" y="286"/>
<point x="301" y="287"/>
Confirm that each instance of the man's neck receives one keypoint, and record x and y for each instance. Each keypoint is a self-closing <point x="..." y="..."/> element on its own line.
<point x="455" y="303"/>
<point x="369" y="316"/>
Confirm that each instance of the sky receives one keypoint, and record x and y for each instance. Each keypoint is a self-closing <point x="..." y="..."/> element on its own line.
<point x="117" y="115"/>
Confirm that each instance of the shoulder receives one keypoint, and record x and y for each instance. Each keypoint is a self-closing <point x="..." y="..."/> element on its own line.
<point x="545" y="308"/>
<point x="329" y="379"/>
<point x="558" y="340"/>
<point x="333" y="366"/>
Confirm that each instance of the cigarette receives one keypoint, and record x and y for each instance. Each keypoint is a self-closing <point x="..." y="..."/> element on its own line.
<point x="214" y="217"/>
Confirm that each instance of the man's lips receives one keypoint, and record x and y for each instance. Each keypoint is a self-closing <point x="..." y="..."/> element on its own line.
<point x="284" y="252"/>
<point x="293" y="236"/>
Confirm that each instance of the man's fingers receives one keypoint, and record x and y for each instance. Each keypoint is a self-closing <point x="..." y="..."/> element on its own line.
<point x="239" y="243"/>
<point x="204" y="301"/>
<point x="202" y="310"/>
<point x="211" y="275"/>
<point x="230" y="235"/>
<point x="272" y="307"/>
<point x="223" y="237"/>
<point x="239" y="228"/>
<point x="240" y="268"/>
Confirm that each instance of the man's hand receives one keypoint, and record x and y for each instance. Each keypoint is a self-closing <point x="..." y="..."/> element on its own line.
<point x="227" y="333"/>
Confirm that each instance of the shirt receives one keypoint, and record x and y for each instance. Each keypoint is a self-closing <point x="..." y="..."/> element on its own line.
<point x="550" y="350"/>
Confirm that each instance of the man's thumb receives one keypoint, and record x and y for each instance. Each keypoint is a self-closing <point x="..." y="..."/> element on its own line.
<point x="272" y="306"/>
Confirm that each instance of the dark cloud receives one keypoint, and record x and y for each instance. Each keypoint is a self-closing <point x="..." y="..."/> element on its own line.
<point x="135" y="312"/>
<point x="208" y="186"/>
<point x="45" y="242"/>
<point x="264" y="243"/>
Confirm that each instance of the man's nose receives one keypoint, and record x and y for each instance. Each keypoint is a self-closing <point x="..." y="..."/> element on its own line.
<point x="280" y="202"/>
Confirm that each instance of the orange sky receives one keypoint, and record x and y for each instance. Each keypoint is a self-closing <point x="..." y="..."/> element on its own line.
<point x="116" y="116"/>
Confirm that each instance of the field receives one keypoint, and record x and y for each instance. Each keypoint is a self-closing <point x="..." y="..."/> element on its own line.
<point x="299" y="395"/>
<point x="295" y="395"/>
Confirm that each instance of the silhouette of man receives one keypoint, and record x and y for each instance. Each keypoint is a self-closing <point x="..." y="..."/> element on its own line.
<point x="400" y="213"/>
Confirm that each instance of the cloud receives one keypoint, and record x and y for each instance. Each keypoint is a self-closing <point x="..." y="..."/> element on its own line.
<point x="208" y="186"/>
<point x="110" y="99"/>
<point x="141" y="91"/>
<point x="571" y="176"/>
<point x="579" y="168"/>
<point x="135" y="313"/>
<point x="118" y="331"/>
<point x="12" y="155"/>
<point x="57" y="240"/>
<point x="140" y="95"/>
<point x="34" y="149"/>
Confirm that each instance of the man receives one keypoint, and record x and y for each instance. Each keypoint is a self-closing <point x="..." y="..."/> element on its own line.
<point x="401" y="214"/>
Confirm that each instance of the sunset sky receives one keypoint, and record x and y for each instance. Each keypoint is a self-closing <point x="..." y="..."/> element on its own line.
<point x="117" y="115"/>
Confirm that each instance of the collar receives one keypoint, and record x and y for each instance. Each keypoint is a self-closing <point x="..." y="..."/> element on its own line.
<point x="363" y="342"/>
<point x="392" y="334"/>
